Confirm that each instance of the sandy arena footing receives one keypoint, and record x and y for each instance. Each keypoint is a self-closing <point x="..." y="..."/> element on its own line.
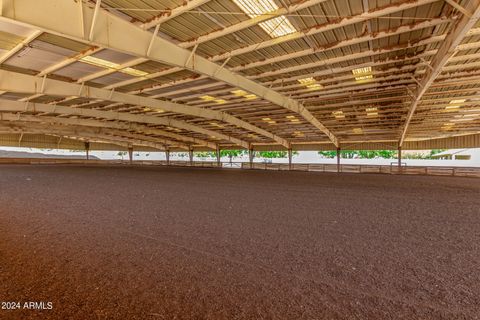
<point x="189" y="243"/>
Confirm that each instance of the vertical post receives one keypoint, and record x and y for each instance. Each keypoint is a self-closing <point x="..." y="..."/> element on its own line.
<point x="217" y="152"/>
<point x="87" y="149"/>
<point x="289" y="159"/>
<point x="251" y="154"/>
<point x="167" y="156"/>
<point x="399" y="158"/>
<point x="190" y="156"/>
<point x="130" y="154"/>
<point x="338" y="159"/>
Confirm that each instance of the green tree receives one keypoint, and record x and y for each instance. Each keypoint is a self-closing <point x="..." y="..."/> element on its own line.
<point x="361" y="154"/>
<point x="181" y="154"/>
<point x="223" y="153"/>
<point x="434" y="152"/>
<point x="328" y="154"/>
<point x="204" y="154"/>
<point x="232" y="153"/>
<point x="274" y="154"/>
<point x="122" y="154"/>
<point x="371" y="154"/>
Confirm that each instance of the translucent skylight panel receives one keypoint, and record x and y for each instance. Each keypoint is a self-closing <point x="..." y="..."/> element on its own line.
<point x="275" y="27"/>
<point x="112" y="65"/>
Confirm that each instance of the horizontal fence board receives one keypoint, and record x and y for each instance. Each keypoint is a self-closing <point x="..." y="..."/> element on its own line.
<point x="313" y="167"/>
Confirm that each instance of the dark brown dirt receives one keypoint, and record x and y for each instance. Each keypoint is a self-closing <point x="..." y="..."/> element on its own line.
<point x="167" y="243"/>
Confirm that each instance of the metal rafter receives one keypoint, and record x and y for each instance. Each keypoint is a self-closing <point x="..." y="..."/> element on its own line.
<point x="142" y="129"/>
<point x="208" y="37"/>
<point x="317" y="64"/>
<point x="112" y="32"/>
<point x="19" y="46"/>
<point x="326" y="27"/>
<point x="17" y="106"/>
<point x="100" y="135"/>
<point x="444" y="53"/>
<point x="17" y="82"/>
<point x="7" y="55"/>
<point x="330" y="26"/>
<point x="165" y="16"/>
<point x="312" y="65"/>
<point x="250" y="22"/>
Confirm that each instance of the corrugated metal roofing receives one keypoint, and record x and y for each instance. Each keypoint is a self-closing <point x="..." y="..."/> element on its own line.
<point x="397" y="61"/>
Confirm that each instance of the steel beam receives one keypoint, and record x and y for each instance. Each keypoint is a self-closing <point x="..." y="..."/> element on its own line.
<point x="326" y="62"/>
<point x="342" y="22"/>
<point x="345" y="43"/>
<point x="100" y="133"/>
<point x="95" y="135"/>
<point x="143" y="129"/>
<point x="355" y="19"/>
<point x="89" y="123"/>
<point x="330" y="26"/>
<point x="251" y="22"/>
<point x="17" y="106"/>
<point x="444" y="53"/>
<point x="117" y="34"/>
<point x="254" y="21"/>
<point x="165" y="16"/>
<point x="17" y="82"/>
<point x="7" y="55"/>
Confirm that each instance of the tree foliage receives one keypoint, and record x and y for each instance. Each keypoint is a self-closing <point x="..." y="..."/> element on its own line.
<point x="418" y="155"/>
<point x="223" y="153"/>
<point x="274" y="154"/>
<point x="372" y="154"/>
<point x="237" y="153"/>
<point x="122" y="154"/>
<point x="360" y="154"/>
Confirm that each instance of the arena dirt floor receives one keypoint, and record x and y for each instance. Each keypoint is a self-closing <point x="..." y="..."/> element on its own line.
<point x="179" y="243"/>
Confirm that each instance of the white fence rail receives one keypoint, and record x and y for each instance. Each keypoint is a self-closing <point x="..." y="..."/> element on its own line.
<point x="314" y="167"/>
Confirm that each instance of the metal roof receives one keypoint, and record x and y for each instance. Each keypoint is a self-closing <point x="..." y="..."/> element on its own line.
<point x="204" y="74"/>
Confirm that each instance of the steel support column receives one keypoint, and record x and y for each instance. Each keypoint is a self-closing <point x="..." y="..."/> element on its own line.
<point x="167" y="156"/>
<point x="399" y="158"/>
<point x="338" y="160"/>
<point x="289" y="159"/>
<point x="190" y="156"/>
<point x="251" y="155"/>
<point x="87" y="149"/>
<point x="217" y="153"/>
<point x="130" y="154"/>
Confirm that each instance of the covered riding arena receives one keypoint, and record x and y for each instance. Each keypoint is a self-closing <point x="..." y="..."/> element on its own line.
<point x="170" y="239"/>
